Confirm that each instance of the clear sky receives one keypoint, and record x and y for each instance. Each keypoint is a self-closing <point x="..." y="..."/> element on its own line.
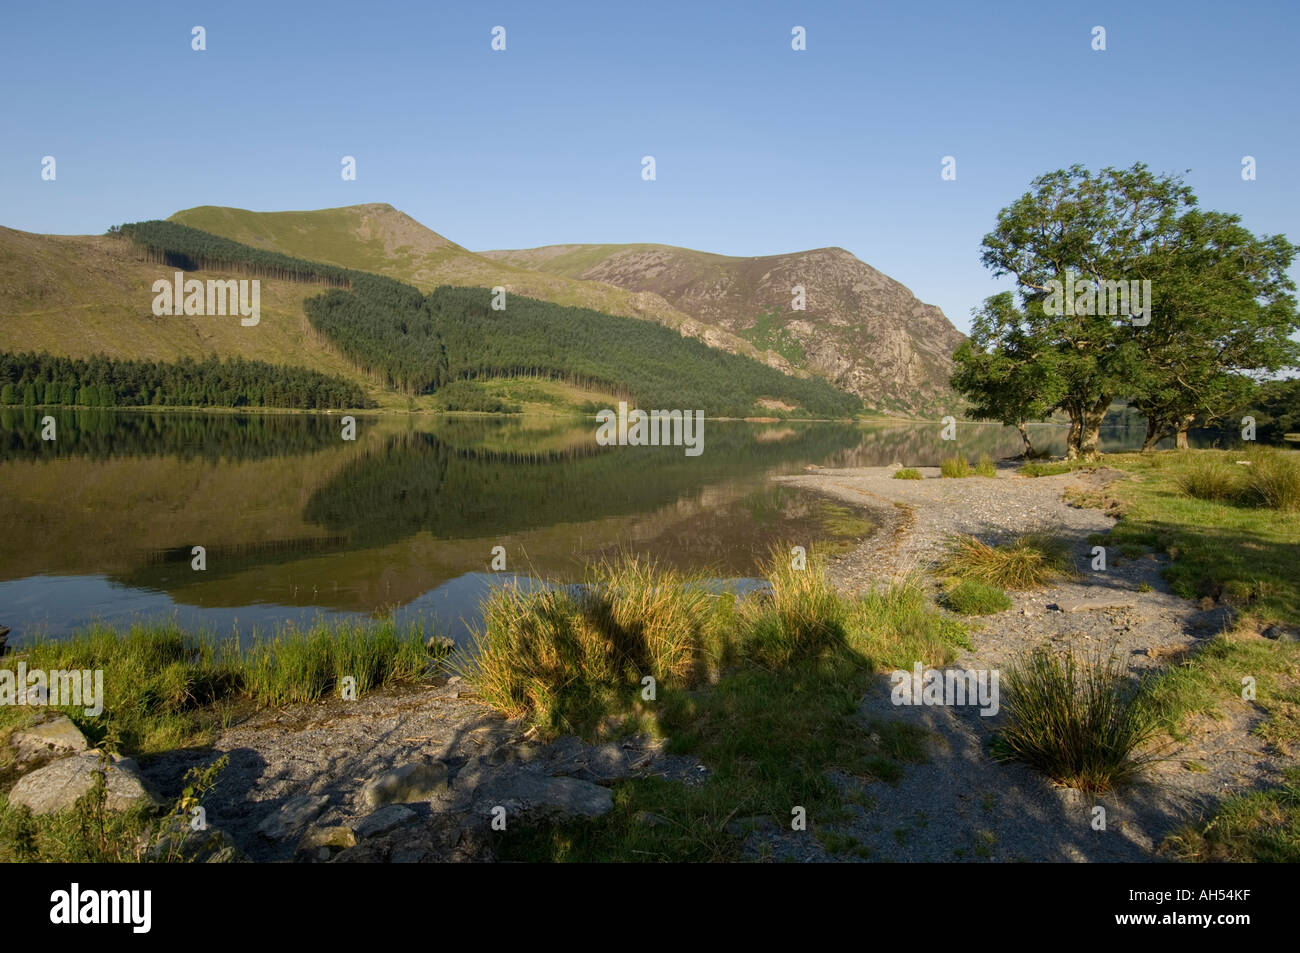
<point x="759" y="149"/>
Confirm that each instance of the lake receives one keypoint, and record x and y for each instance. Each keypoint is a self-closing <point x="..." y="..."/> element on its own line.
<point x="299" y="524"/>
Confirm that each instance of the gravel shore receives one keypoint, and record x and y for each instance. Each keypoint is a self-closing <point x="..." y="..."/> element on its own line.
<point x="961" y="805"/>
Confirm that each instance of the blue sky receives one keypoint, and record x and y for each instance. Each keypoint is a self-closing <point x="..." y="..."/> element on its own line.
<point x="759" y="149"/>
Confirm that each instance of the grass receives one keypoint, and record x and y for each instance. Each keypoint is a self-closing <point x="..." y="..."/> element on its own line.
<point x="1218" y="549"/>
<point x="1262" y="826"/>
<point x="1027" y="562"/>
<point x="1211" y="479"/>
<point x="955" y="467"/>
<point x="1045" y="469"/>
<point x="907" y="473"/>
<point x="985" y="467"/>
<point x="165" y="688"/>
<point x="1273" y="479"/>
<point x="764" y="692"/>
<point x="1082" y="723"/>
<point x="973" y="597"/>
<point x="564" y="657"/>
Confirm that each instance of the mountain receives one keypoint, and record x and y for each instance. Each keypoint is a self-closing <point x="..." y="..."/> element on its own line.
<point x="382" y="240"/>
<point x="864" y="331"/>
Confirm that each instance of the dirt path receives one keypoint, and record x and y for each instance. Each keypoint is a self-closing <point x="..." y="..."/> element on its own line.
<point x="962" y="805"/>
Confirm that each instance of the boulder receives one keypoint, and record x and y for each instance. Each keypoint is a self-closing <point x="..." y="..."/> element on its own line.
<point x="56" y="736"/>
<point x="382" y="821"/>
<point x="57" y="785"/>
<point x="535" y="797"/>
<point x="420" y="781"/>
<point x="293" y="814"/>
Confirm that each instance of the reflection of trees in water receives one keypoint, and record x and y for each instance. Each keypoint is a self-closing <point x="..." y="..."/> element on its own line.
<point x="101" y="434"/>
<point x="920" y="445"/>
<point x="417" y="482"/>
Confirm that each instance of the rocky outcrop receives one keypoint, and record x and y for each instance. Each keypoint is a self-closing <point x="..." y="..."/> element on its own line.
<point x="861" y="329"/>
<point x="58" y="785"/>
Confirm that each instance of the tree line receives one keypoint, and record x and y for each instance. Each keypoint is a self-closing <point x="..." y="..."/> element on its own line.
<point x="179" y="246"/>
<point x="1218" y="316"/>
<point x="30" y="379"/>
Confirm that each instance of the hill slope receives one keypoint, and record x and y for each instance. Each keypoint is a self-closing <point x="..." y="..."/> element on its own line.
<point x="82" y="295"/>
<point x="382" y="240"/>
<point x="861" y="329"/>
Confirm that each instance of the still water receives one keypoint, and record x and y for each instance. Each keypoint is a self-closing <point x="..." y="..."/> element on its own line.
<point x="298" y="524"/>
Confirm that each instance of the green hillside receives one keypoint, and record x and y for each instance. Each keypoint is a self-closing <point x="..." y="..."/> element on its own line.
<point x="378" y="238"/>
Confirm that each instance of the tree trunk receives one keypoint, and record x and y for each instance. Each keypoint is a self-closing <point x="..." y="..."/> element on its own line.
<point x="1090" y="430"/>
<point x="1076" y="428"/>
<point x="1154" y="433"/>
<point x="1184" y="425"/>
<point x="1024" y="435"/>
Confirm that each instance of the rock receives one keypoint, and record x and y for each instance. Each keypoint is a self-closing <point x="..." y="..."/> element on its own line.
<point x="608" y="762"/>
<point x="57" y="785"/>
<point x="57" y="736"/>
<point x="176" y="840"/>
<point x="535" y="797"/>
<point x="439" y="645"/>
<point x="1091" y="605"/>
<point x="383" y="820"/>
<point x="412" y="782"/>
<point x="1281" y="633"/>
<point x="227" y="855"/>
<point x="292" y="814"/>
<point x="337" y="836"/>
<point x="1213" y="620"/>
<point x="408" y="856"/>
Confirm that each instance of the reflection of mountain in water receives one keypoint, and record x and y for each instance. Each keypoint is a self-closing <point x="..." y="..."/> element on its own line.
<point x="416" y="482"/>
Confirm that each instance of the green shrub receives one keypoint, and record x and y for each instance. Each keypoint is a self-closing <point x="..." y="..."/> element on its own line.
<point x="986" y="467"/>
<point x="956" y="467"/>
<point x="1083" y="724"/>
<point x="907" y="473"/>
<point x="973" y="597"/>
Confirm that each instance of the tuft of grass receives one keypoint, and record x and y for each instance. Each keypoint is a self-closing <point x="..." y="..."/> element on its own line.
<point x="1082" y="723"/>
<point x="956" y="467"/>
<point x="986" y="467"/>
<point x="907" y="473"/>
<point x="802" y="616"/>
<point x="973" y="597"/>
<point x="1273" y="479"/>
<point x="1026" y="562"/>
<point x="1210" y="478"/>
<point x="566" y="657"/>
